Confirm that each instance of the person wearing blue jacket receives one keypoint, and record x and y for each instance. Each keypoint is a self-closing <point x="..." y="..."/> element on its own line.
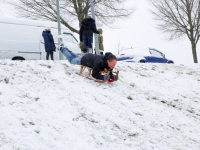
<point x="48" y="42"/>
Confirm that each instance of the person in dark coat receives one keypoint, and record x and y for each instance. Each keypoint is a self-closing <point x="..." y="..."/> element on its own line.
<point x="48" y="42"/>
<point x="88" y="27"/>
<point x="96" y="62"/>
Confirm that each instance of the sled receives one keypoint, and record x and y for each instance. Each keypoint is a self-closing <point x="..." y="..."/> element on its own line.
<point x="106" y="72"/>
<point x="81" y="54"/>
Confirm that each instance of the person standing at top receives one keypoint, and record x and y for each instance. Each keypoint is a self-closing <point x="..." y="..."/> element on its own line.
<point x="88" y="27"/>
<point x="48" y="42"/>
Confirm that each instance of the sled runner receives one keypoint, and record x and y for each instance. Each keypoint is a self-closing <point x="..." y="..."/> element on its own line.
<point x="106" y="72"/>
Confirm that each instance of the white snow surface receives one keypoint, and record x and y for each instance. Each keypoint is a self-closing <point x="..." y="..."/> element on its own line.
<point x="45" y="105"/>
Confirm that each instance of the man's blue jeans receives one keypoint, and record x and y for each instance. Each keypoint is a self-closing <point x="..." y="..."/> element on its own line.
<point x="71" y="57"/>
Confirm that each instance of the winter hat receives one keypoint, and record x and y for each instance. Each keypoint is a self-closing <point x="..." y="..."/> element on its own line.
<point x="47" y="27"/>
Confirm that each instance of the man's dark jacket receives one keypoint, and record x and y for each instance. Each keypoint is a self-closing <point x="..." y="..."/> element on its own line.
<point x="48" y="41"/>
<point x="87" y="28"/>
<point x="97" y="62"/>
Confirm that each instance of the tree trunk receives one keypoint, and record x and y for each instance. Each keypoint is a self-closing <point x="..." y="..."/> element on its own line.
<point x="194" y="52"/>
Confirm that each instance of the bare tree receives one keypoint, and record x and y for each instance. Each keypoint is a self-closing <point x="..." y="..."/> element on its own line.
<point x="72" y="11"/>
<point x="179" y="18"/>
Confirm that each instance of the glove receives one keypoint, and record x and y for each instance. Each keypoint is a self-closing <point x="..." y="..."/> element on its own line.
<point x="113" y="78"/>
<point x="106" y="77"/>
<point x="116" y="78"/>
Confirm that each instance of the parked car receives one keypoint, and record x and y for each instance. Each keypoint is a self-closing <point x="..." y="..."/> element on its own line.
<point x="21" y="39"/>
<point x="143" y="55"/>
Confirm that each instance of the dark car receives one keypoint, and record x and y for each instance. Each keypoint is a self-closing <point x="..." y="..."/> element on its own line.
<point x="143" y="55"/>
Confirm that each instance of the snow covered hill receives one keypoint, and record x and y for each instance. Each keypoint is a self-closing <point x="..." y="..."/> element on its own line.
<point x="44" y="105"/>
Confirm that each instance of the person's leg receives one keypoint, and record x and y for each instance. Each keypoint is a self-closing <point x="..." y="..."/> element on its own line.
<point x="51" y="53"/>
<point x="85" y="40"/>
<point x="73" y="54"/>
<point x="71" y="57"/>
<point x="47" y="55"/>
<point x="90" y="41"/>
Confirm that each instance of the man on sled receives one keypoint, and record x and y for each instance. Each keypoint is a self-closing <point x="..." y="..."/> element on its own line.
<point x="97" y="63"/>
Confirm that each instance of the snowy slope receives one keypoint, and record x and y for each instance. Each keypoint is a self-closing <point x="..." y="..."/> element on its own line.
<point x="44" y="105"/>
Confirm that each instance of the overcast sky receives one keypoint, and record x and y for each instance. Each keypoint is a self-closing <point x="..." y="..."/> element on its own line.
<point x="140" y="31"/>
